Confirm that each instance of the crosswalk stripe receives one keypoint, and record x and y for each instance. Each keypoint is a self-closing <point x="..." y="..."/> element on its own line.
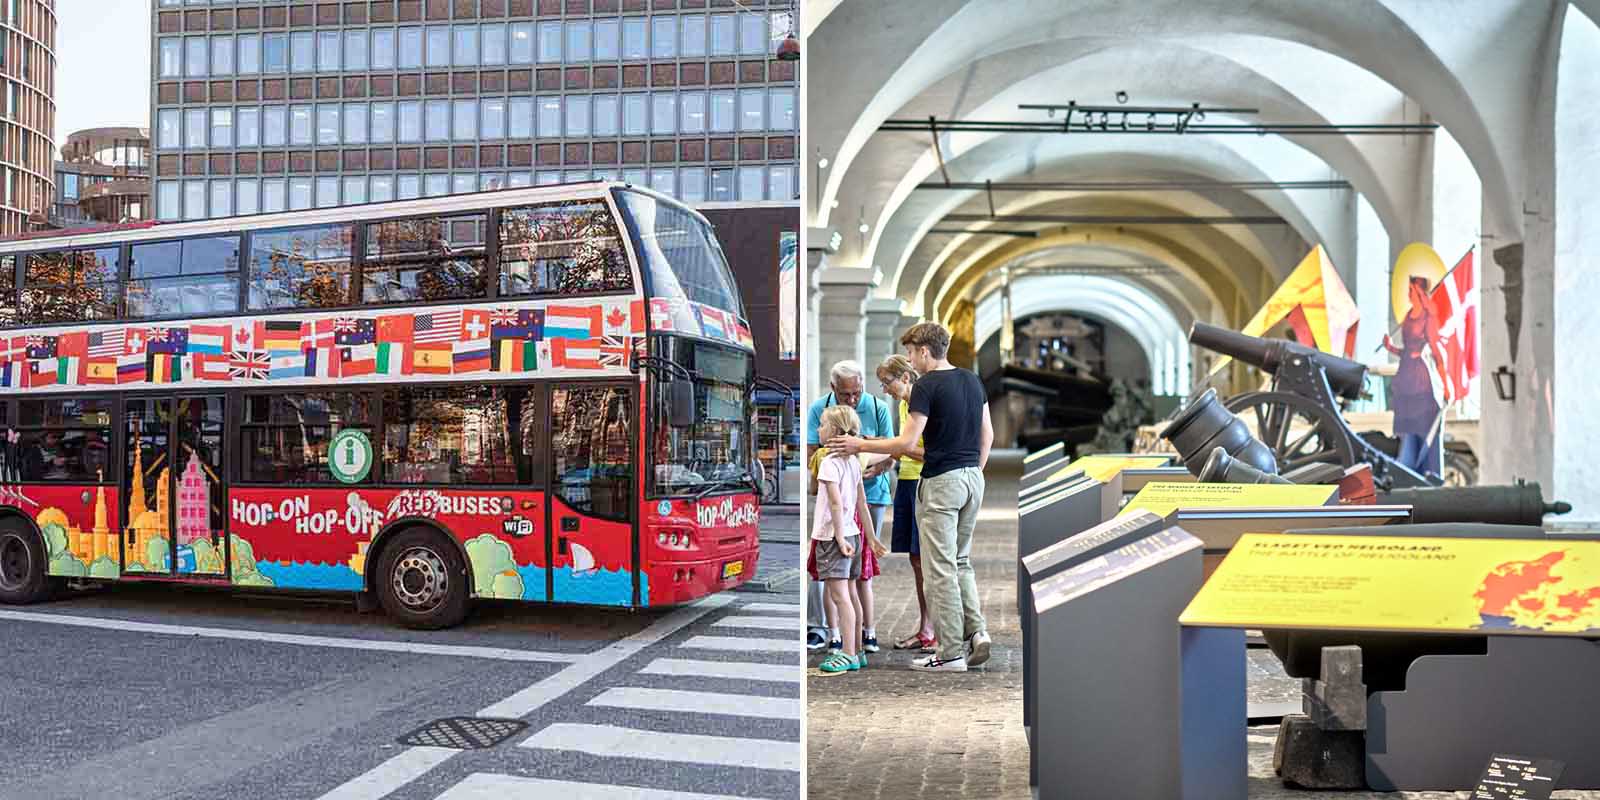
<point x="737" y="705"/>
<point x="764" y="623"/>
<point x="743" y="644"/>
<point x="732" y="670"/>
<point x="616" y="742"/>
<point x="487" y="786"/>
<point x="771" y="608"/>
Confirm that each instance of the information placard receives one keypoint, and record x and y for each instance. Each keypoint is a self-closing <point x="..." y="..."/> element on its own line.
<point x="1165" y="497"/>
<point x="1105" y="466"/>
<point x="1111" y="567"/>
<point x="1518" y="778"/>
<point x="1418" y="584"/>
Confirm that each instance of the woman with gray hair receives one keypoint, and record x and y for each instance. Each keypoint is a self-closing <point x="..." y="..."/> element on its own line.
<point x="897" y="376"/>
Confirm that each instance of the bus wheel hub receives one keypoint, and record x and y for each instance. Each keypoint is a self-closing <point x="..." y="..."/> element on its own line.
<point x="14" y="561"/>
<point x="420" y="578"/>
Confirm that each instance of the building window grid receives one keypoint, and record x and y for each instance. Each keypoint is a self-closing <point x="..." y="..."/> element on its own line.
<point x="581" y="40"/>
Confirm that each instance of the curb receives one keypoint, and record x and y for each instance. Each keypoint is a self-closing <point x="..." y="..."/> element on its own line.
<point x="784" y="581"/>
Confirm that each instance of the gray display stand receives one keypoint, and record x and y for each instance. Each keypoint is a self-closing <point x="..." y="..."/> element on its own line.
<point x="1215" y="759"/>
<point x="1039" y="470"/>
<point x="1026" y="497"/>
<point x="1078" y="546"/>
<point x="1537" y="696"/>
<point x="1108" y="718"/>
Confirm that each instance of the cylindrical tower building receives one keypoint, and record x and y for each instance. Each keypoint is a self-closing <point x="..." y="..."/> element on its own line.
<point x="27" y="112"/>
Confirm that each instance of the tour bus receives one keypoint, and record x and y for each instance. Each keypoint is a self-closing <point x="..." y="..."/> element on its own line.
<point x="541" y="394"/>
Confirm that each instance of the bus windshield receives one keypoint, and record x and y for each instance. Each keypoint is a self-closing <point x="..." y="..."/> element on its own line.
<point x="714" y="453"/>
<point x="679" y="253"/>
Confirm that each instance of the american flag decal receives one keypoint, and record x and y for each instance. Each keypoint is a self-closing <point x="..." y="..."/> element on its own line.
<point x="440" y="326"/>
<point x="107" y="344"/>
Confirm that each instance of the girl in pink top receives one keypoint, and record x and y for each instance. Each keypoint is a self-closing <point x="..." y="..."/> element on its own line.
<point x="841" y="524"/>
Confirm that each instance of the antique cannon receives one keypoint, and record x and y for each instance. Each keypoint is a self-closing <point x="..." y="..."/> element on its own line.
<point x="1299" y="419"/>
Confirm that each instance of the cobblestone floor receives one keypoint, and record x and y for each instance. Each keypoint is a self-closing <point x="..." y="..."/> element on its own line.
<point x="889" y="732"/>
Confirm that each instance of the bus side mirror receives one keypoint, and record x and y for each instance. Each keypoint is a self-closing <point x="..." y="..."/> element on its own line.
<point x="680" y="398"/>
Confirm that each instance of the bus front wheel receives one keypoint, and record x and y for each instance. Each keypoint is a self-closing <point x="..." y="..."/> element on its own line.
<point x="422" y="580"/>
<point x="24" y="569"/>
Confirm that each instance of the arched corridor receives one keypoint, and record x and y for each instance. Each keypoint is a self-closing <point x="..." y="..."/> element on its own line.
<point x="1153" y="165"/>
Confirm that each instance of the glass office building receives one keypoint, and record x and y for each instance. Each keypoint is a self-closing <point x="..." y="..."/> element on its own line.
<point x="270" y="106"/>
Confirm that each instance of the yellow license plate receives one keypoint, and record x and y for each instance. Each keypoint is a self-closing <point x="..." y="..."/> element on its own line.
<point x="732" y="568"/>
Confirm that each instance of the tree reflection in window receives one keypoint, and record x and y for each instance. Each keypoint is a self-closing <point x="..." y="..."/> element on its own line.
<point x="431" y="258"/>
<point x="301" y="267"/>
<point x="562" y="248"/>
<point x="460" y="434"/>
<point x="8" y="290"/>
<point x="590" y="431"/>
<point x="70" y="286"/>
<point x="286" y="436"/>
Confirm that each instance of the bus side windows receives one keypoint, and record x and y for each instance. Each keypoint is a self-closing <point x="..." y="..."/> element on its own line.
<point x="8" y="290"/>
<point x="562" y="248"/>
<point x="64" y="440"/>
<point x="453" y="435"/>
<point x="307" y="267"/>
<point x="70" y="286"/>
<point x="286" y="436"/>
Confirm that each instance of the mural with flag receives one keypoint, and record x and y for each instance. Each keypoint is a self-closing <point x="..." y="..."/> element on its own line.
<point x="499" y="340"/>
<point x="1315" y="303"/>
<point x="1455" y="307"/>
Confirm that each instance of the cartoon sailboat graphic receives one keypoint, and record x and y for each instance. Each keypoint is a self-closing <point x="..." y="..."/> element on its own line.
<point x="582" y="561"/>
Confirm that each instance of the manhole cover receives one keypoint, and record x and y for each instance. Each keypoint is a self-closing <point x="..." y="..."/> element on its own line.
<point x="463" y="733"/>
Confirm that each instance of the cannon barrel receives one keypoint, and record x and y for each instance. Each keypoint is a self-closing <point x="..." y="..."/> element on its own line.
<point x="1516" y="504"/>
<point x="1345" y="377"/>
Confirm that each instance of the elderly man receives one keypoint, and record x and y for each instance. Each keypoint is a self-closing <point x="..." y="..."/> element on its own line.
<point x="849" y="389"/>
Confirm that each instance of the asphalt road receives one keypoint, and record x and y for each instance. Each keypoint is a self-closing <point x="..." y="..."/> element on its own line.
<point x="138" y="692"/>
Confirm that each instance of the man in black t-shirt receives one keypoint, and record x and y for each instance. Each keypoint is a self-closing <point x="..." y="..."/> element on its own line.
<point x="950" y="413"/>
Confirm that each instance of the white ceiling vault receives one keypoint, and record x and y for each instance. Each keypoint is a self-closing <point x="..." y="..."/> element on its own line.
<point x="1464" y="65"/>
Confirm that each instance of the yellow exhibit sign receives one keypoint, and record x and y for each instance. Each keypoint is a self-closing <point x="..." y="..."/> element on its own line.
<point x="1404" y="583"/>
<point x="1105" y="467"/>
<point x="1164" y="497"/>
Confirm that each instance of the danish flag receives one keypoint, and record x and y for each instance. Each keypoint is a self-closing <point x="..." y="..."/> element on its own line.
<point x="1455" y="306"/>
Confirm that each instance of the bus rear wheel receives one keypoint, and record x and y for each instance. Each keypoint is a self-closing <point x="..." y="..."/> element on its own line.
<point x="24" y="569"/>
<point x="422" y="581"/>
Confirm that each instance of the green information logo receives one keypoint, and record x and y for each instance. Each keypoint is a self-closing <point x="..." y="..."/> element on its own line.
<point x="350" y="456"/>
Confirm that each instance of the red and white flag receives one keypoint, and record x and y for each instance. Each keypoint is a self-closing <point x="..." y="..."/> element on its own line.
<point x="1455" y="306"/>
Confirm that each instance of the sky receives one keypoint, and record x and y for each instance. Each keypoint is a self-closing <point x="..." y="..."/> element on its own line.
<point x="102" y="65"/>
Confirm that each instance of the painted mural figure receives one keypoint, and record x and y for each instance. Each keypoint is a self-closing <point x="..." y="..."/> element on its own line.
<point x="1416" y="409"/>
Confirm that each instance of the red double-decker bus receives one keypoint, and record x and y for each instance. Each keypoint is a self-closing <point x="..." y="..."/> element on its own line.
<point x="540" y="394"/>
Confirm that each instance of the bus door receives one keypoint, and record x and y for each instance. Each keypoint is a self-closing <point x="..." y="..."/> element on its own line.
<point x="593" y="494"/>
<point x="173" y="488"/>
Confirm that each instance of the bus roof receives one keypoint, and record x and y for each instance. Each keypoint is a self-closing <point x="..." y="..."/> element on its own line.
<point x="455" y="203"/>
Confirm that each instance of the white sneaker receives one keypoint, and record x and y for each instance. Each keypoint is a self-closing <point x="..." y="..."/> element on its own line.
<point x="978" y="649"/>
<point x="935" y="664"/>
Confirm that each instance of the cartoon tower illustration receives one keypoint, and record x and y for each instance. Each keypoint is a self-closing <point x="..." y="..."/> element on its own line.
<point x="136" y="511"/>
<point x="163" y="500"/>
<point x="194" y="499"/>
<point x="105" y="543"/>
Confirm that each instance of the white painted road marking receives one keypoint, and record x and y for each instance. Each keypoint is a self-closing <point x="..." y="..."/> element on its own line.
<point x="763" y="623"/>
<point x="614" y="742"/>
<point x="410" y="764"/>
<point x="483" y="786"/>
<point x="771" y="608"/>
<point x="385" y="778"/>
<point x="680" y="702"/>
<point x="735" y="670"/>
<point x="379" y="645"/>
<point x="741" y="644"/>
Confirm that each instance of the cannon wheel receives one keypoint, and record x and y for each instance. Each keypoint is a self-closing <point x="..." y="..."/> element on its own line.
<point x="1298" y="431"/>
